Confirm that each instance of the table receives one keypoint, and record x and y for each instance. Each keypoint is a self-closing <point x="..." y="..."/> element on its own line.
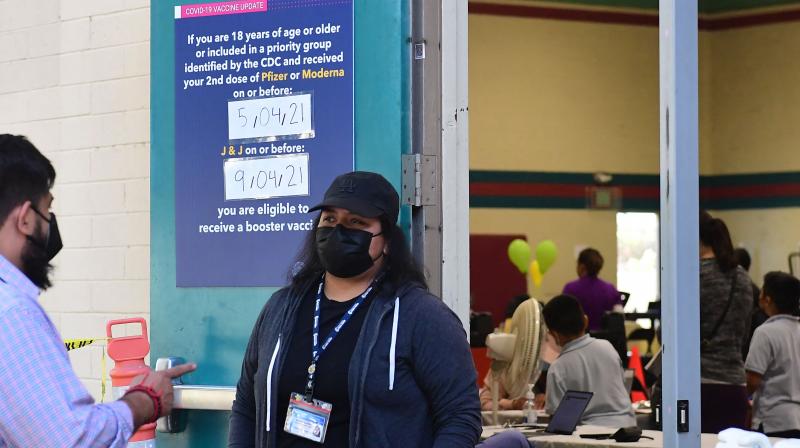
<point x="652" y="315"/>
<point x="512" y="416"/>
<point x="574" y="440"/>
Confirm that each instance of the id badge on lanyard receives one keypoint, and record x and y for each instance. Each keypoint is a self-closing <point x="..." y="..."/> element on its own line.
<point x="308" y="417"/>
<point x="308" y="420"/>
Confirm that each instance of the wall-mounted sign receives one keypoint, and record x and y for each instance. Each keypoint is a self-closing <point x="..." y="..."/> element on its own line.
<point x="604" y="198"/>
<point x="263" y="123"/>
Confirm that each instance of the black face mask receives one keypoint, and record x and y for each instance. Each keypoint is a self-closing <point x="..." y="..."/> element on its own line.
<point x="52" y="243"/>
<point x="344" y="252"/>
<point x="35" y="264"/>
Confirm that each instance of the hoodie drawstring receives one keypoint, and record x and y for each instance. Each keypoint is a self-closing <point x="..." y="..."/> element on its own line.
<point x="394" y="342"/>
<point x="269" y="380"/>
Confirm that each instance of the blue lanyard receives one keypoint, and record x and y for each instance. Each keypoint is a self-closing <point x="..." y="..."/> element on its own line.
<point x="316" y="349"/>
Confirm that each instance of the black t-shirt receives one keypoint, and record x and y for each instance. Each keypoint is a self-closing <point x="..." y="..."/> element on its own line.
<point x="331" y="371"/>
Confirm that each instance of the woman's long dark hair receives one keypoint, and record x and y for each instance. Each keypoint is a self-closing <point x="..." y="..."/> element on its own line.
<point x="399" y="264"/>
<point x="714" y="234"/>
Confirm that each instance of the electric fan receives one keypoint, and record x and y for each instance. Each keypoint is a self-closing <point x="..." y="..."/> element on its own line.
<point x="515" y="355"/>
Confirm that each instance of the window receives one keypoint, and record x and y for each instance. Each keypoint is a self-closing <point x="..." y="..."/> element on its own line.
<point x="637" y="258"/>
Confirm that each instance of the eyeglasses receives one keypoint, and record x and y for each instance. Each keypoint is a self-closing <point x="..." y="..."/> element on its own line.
<point x="49" y="220"/>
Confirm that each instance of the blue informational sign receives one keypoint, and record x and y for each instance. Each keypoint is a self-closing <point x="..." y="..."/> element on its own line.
<point x="263" y="123"/>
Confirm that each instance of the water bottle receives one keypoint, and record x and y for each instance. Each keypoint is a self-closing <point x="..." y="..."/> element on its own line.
<point x="128" y="353"/>
<point x="529" y="409"/>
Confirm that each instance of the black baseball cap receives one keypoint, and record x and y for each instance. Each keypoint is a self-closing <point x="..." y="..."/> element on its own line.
<point x="364" y="193"/>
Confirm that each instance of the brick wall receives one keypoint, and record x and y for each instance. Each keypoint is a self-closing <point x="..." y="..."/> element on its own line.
<point x="75" y="78"/>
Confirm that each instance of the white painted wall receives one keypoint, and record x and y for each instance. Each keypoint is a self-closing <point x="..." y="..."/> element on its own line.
<point x="75" y="79"/>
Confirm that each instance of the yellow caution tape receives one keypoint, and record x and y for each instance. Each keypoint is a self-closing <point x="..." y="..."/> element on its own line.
<point x="103" y="376"/>
<point x="73" y="344"/>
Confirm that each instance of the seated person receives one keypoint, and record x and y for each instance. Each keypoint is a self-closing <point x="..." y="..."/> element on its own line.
<point x="773" y="362"/>
<point x="504" y="402"/>
<point x="595" y="295"/>
<point x="585" y="364"/>
<point x="506" y="439"/>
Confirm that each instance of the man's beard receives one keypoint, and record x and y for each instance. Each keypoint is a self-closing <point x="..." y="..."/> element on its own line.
<point x="35" y="264"/>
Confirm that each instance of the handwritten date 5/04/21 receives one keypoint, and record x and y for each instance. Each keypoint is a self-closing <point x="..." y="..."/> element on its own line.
<point x="291" y="114"/>
<point x="289" y="176"/>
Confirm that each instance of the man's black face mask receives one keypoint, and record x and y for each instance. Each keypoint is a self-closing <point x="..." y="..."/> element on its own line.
<point x="35" y="263"/>
<point x="39" y="250"/>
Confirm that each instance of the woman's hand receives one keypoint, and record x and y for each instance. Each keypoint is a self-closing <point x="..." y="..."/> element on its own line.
<point x="507" y="404"/>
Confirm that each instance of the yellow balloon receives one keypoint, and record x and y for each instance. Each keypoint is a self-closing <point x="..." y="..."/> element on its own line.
<point x="536" y="273"/>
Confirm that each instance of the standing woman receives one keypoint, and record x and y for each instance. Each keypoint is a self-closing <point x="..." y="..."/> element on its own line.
<point x="725" y="303"/>
<point x="355" y="351"/>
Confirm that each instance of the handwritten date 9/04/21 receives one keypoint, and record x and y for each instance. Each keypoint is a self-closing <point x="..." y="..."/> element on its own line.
<point x="266" y="177"/>
<point x="289" y="176"/>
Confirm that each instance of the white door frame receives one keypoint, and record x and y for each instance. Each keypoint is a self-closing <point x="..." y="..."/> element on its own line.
<point x="680" y="253"/>
<point x="440" y="207"/>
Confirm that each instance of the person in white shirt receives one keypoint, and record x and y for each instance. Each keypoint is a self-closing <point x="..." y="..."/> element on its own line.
<point x="585" y="364"/>
<point x="773" y="361"/>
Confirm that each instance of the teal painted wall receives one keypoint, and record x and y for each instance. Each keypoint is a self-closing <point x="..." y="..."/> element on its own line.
<point x="210" y="326"/>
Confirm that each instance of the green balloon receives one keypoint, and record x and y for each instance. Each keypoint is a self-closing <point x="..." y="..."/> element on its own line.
<point x="546" y="253"/>
<point x="519" y="252"/>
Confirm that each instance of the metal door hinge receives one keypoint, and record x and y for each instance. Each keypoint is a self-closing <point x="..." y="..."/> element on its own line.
<point x="420" y="180"/>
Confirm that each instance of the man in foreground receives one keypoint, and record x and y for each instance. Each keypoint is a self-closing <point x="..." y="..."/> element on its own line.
<point x="42" y="401"/>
